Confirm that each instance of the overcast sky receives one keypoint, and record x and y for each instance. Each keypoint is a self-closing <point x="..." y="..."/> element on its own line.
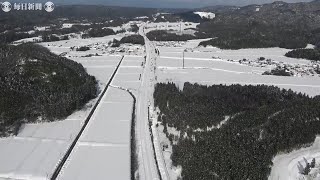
<point x="170" y="3"/>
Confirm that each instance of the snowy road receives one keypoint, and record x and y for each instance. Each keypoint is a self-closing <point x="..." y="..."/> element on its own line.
<point x="148" y="165"/>
<point x="285" y="166"/>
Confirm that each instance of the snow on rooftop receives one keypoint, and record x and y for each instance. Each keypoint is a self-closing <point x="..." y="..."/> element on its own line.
<point x="310" y="46"/>
<point x="32" y="39"/>
<point x="67" y="25"/>
<point x="141" y="17"/>
<point x="158" y="14"/>
<point x="41" y="28"/>
<point x="207" y="15"/>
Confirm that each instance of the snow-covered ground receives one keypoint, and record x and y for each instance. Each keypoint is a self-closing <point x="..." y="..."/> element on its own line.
<point x="104" y="148"/>
<point x="286" y="166"/>
<point x="98" y="46"/>
<point x="105" y="143"/>
<point x="210" y="66"/>
<point x="36" y="150"/>
<point x="163" y="148"/>
<point x="126" y="26"/>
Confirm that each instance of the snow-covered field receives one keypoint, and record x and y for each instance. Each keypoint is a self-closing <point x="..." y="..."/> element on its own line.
<point x="210" y="66"/>
<point x="105" y="143"/>
<point x="36" y="150"/>
<point x="104" y="147"/>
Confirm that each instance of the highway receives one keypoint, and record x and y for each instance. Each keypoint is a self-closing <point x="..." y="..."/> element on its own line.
<point x="148" y="169"/>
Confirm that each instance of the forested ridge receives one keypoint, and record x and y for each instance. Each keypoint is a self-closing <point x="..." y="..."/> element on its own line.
<point x="37" y="83"/>
<point x="278" y="24"/>
<point x="92" y="20"/>
<point x="163" y="35"/>
<point x="133" y="39"/>
<point x="256" y="35"/>
<point x="311" y="54"/>
<point x="261" y="122"/>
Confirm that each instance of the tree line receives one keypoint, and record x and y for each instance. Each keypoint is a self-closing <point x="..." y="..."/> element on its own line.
<point x="246" y="27"/>
<point x="133" y="39"/>
<point x="311" y="54"/>
<point x="261" y="122"/>
<point x="162" y="35"/>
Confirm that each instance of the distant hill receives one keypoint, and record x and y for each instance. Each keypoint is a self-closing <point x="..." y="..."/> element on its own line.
<point x="94" y="11"/>
<point x="17" y="23"/>
<point x="217" y="9"/>
<point x="288" y="25"/>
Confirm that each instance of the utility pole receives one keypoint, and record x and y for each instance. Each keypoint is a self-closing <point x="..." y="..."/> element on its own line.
<point x="148" y="113"/>
<point x="183" y="59"/>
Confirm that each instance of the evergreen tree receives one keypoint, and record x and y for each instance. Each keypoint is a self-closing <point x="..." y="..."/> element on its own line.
<point x="313" y="163"/>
